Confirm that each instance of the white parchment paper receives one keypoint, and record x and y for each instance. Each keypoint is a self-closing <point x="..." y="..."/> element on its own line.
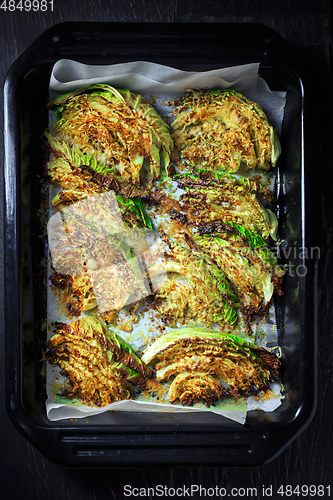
<point x="161" y="82"/>
<point x="148" y="78"/>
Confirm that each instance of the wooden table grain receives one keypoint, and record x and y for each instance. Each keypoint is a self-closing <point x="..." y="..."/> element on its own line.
<point x="24" y="473"/>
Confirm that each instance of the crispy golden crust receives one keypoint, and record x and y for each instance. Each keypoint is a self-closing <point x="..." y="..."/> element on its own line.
<point x="231" y="369"/>
<point x="99" y="369"/>
<point x="120" y="129"/>
<point x="219" y="131"/>
<point x="75" y="293"/>
<point x="190" y="388"/>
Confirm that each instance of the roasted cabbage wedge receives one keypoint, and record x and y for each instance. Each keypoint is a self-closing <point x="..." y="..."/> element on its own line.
<point x="231" y="201"/>
<point x="118" y="131"/>
<point x="80" y="175"/>
<point x="205" y="366"/>
<point x="218" y="130"/>
<point x="245" y="260"/>
<point x="100" y="366"/>
<point x="195" y="289"/>
<point x="94" y="256"/>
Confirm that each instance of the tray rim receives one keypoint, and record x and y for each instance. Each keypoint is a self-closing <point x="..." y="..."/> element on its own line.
<point x="21" y="67"/>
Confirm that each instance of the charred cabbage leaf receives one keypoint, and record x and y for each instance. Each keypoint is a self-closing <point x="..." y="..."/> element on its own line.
<point x="195" y="289"/>
<point x="80" y="175"/>
<point x="246" y="261"/>
<point x="217" y="130"/>
<point x="118" y="129"/>
<point x="230" y="201"/>
<point x="100" y="366"/>
<point x="205" y="366"/>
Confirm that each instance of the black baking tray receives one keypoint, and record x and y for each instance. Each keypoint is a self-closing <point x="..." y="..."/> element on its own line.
<point x="137" y="439"/>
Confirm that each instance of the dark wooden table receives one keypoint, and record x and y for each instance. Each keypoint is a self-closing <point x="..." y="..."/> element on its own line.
<point x="24" y="473"/>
